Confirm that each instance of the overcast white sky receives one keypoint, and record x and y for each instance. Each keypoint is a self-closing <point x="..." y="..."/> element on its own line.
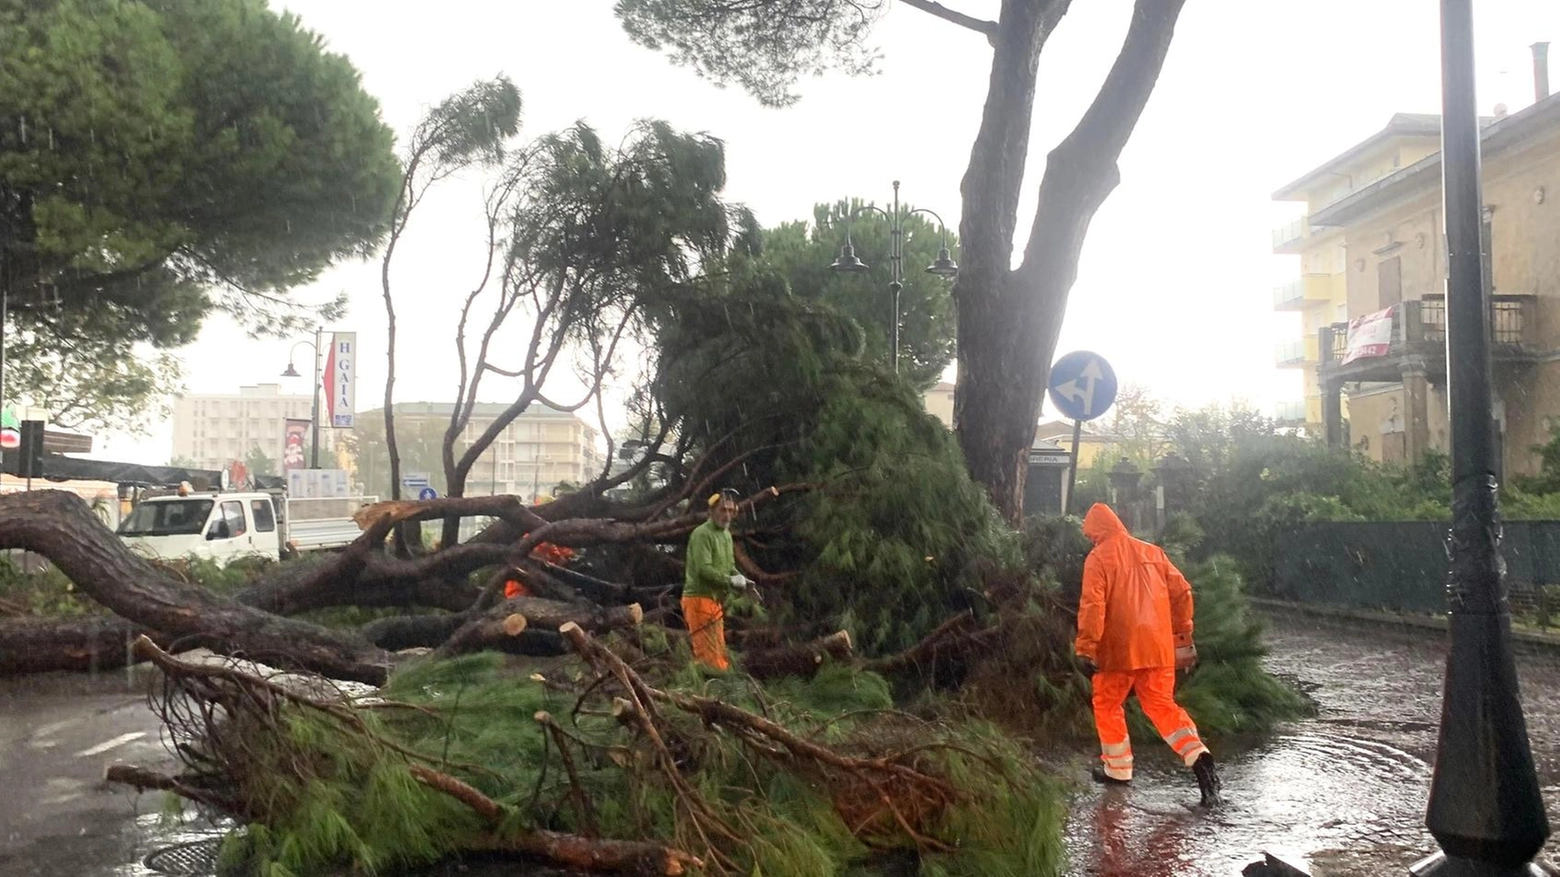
<point x="1174" y="287"/>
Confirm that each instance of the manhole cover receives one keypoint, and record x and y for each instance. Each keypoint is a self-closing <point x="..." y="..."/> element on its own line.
<point x="196" y="858"/>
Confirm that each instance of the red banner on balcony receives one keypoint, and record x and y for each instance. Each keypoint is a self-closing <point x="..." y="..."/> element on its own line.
<point x="1370" y="336"/>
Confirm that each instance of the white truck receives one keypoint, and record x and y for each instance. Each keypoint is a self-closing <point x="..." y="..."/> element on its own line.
<point x="227" y="526"/>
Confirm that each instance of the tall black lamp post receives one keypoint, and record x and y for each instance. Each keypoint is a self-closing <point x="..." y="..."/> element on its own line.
<point x="942" y="266"/>
<point x="314" y="418"/>
<point x="1485" y="808"/>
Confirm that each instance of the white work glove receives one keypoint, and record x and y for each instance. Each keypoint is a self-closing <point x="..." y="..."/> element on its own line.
<point x="740" y="581"/>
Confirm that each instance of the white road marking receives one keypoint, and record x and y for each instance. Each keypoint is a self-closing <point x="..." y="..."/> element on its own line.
<point x="103" y="747"/>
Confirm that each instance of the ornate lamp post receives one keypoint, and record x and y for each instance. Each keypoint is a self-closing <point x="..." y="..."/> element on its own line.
<point x="1485" y="808"/>
<point x="942" y="266"/>
<point x="314" y="418"/>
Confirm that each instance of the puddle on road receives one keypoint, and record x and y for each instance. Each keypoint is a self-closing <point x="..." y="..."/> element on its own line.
<point x="1308" y="790"/>
<point x="1342" y="794"/>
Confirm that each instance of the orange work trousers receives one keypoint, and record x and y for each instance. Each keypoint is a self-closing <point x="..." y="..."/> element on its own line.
<point x="1155" y="689"/>
<point x="706" y="631"/>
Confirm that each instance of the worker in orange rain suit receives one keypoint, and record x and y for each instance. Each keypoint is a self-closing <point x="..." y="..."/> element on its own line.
<point x="1136" y="610"/>
<point x="546" y="552"/>
<point x="557" y="555"/>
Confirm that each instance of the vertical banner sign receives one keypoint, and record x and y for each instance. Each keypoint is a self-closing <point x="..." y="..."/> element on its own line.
<point x="340" y="380"/>
<point x="292" y="444"/>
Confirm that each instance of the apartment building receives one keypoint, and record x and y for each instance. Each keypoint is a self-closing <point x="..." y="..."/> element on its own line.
<point x="1319" y="290"/>
<point x="533" y="455"/>
<point x="1370" y="289"/>
<point x="212" y="431"/>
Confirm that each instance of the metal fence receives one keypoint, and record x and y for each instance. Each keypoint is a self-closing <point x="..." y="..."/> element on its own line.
<point x="1401" y="565"/>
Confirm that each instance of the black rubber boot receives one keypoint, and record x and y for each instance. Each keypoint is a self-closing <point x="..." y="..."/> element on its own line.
<point x="1100" y="776"/>
<point x="1207" y="780"/>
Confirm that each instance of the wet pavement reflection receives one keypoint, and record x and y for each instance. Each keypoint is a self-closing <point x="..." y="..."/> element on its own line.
<point x="1342" y="794"/>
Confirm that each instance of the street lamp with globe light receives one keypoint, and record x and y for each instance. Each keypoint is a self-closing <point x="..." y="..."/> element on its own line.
<point x="943" y="266"/>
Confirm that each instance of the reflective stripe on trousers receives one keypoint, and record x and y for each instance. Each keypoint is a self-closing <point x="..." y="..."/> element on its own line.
<point x="1155" y="689"/>
<point x="1118" y="760"/>
<point x="1186" y="744"/>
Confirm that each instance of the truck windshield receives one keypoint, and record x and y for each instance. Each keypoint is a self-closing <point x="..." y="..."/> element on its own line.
<point x="180" y="517"/>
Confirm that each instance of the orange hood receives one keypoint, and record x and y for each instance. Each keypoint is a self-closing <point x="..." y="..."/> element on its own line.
<point x="1101" y="523"/>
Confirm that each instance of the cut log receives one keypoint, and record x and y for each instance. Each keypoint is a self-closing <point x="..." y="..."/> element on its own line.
<point x="554" y="614"/>
<point x="483" y="633"/>
<point x="799" y="660"/>
<point x="433" y="631"/>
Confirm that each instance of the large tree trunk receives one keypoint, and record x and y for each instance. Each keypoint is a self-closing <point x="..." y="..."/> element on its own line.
<point x="60" y="526"/>
<point x="1009" y="318"/>
<point x="37" y="645"/>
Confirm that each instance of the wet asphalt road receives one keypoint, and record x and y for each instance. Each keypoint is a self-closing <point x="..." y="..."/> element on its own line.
<point x="57" y="734"/>
<point x="1342" y="794"/>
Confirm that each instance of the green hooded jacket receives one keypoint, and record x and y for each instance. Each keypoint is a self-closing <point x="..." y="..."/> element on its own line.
<point x="710" y="563"/>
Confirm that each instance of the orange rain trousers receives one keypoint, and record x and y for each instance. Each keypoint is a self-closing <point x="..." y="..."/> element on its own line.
<point x="1155" y="688"/>
<point x="706" y="631"/>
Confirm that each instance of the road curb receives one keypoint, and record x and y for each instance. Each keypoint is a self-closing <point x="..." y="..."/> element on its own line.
<point x="1425" y="622"/>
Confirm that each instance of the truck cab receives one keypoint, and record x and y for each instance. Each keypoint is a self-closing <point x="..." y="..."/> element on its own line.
<point x="220" y="527"/>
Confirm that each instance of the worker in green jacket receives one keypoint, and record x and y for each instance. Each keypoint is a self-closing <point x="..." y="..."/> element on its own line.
<point x="710" y="578"/>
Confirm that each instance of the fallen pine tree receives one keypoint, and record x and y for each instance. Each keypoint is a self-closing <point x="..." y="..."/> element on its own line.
<point x="599" y="765"/>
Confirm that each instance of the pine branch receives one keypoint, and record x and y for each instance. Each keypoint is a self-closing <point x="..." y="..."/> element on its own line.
<point x="989" y="28"/>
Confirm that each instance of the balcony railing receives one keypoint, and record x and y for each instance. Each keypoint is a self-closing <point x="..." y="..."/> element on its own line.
<point x="1419" y="328"/>
<point x="1288" y="354"/>
<point x="1290" y="233"/>
<point x="1510" y="318"/>
<point x="1296" y="293"/>
<point x="1294" y="411"/>
<point x="1287" y="296"/>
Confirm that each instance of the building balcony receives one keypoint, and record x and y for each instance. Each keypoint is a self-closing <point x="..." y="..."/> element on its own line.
<point x="1419" y="332"/>
<point x="1304" y="291"/>
<point x="1290" y="237"/>
<point x="1294" y="412"/>
<point x="1296" y="354"/>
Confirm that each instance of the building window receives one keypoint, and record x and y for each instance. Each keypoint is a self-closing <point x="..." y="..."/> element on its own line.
<point x="1389" y="281"/>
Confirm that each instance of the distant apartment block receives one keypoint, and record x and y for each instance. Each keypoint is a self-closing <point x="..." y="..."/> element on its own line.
<point x="213" y="430"/>
<point x="540" y="450"/>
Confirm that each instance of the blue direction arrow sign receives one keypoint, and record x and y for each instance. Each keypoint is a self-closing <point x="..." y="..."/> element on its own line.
<point x="427" y="493"/>
<point x="1083" y="385"/>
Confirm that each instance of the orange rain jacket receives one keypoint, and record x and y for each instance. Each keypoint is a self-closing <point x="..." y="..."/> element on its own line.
<point x="1136" y="606"/>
